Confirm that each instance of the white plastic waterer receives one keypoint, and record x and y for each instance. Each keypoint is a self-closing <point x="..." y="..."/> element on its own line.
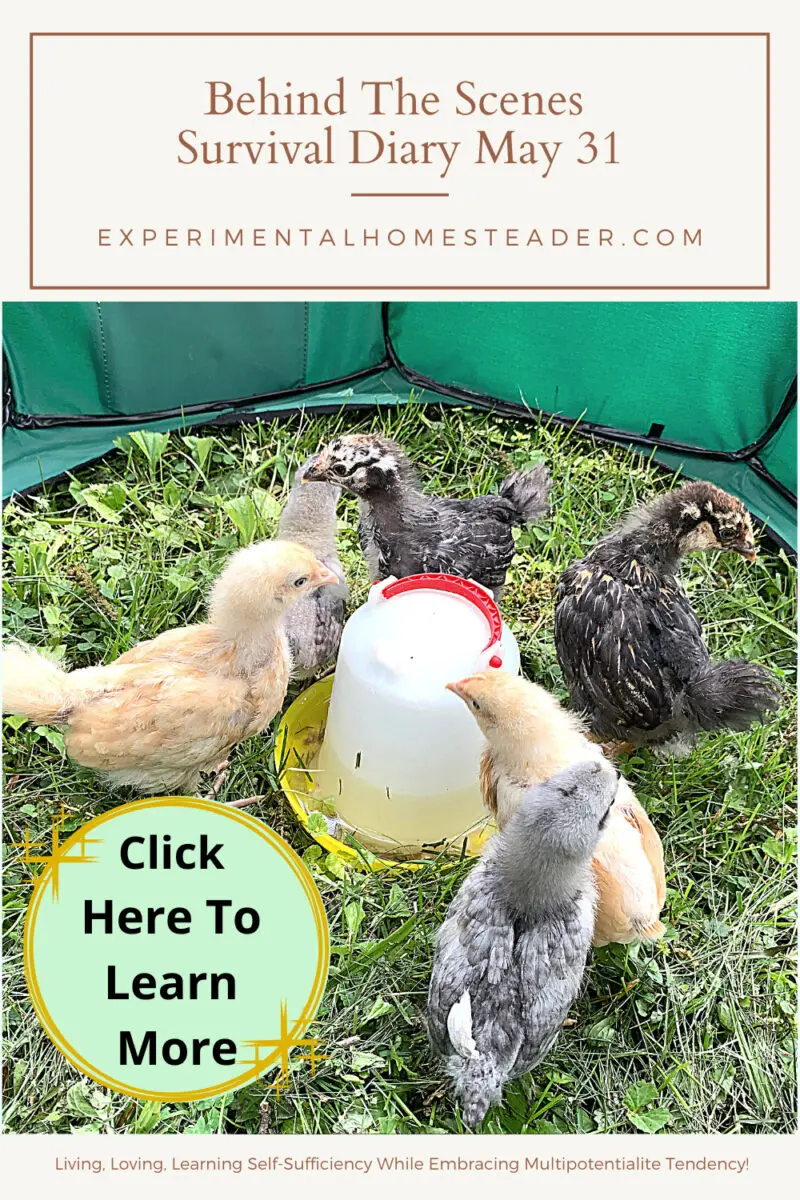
<point x="401" y="755"/>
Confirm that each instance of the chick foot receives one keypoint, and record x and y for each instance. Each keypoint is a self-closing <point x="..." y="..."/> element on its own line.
<point x="220" y="775"/>
<point x="243" y="801"/>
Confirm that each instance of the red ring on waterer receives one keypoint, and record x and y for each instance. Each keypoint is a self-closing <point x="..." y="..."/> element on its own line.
<point x="456" y="586"/>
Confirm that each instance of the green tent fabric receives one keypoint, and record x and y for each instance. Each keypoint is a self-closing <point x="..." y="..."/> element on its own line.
<point x="710" y="388"/>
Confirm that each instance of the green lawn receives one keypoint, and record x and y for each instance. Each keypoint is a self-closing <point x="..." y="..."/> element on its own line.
<point x="695" y="1034"/>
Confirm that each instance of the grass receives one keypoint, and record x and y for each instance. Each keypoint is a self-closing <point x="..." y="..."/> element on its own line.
<point x="695" y="1034"/>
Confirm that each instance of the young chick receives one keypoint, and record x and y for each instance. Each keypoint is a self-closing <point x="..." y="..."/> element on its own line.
<point x="629" y="642"/>
<point x="314" y="625"/>
<point x="530" y="738"/>
<point x="173" y="707"/>
<point x="404" y="532"/>
<point x="511" y="953"/>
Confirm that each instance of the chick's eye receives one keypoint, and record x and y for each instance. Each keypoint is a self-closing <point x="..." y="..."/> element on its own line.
<point x="476" y="706"/>
<point x="300" y="581"/>
<point x="339" y="468"/>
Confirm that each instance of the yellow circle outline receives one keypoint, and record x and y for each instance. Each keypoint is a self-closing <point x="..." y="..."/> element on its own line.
<point x="298" y="1029"/>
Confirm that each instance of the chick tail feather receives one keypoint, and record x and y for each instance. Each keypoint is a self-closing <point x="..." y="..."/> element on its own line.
<point x="33" y="687"/>
<point x="478" y="1084"/>
<point x="733" y="694"/>
<point x="528" y="492"/>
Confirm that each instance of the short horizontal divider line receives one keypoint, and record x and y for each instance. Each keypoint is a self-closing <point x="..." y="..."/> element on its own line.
<point x="428" y="194"/>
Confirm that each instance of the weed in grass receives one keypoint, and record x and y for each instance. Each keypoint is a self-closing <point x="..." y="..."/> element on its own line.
<point x="695" y="1034"/>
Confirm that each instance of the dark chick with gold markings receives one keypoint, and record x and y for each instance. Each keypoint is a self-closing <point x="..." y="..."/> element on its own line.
<point x="403" y="531"/>
<point x="629" y="643"/>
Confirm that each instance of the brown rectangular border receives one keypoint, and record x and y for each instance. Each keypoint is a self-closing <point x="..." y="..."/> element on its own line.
<point x="377" y="287"/>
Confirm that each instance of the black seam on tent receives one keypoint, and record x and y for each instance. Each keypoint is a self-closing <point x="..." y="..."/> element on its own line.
<point x="28" y="421"/>
<point x="605" y="432"/>
<point x="224" y="419"/>
<point x="758" y="467"/>
<point x="8" y="393"/>
<point x="325" y="410"/>
<point x="747" y="454"/>
<point x="789" y="401"/>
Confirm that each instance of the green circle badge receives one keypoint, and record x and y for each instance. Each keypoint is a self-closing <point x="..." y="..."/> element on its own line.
<point x="175" y="949"/>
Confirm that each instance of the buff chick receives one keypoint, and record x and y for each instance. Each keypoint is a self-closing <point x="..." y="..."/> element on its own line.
<point x="171" y="708"/>
<point x="530" y="738"/>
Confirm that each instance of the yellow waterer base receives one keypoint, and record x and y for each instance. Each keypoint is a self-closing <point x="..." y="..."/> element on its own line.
<point x="297" y="744"/>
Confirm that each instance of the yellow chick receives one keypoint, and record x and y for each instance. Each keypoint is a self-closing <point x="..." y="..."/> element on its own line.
<point x="530" y="738"/>
<point x="173" y="707"/>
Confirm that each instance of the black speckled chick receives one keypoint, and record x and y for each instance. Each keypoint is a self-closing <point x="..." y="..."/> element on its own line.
<point x="629" y="643"/>
<point x="404" y="532"/>
<point x="511" y="953"/>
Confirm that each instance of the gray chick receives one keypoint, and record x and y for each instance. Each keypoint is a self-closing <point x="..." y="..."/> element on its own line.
<point x="511" y="953"/>
<point x="314" y="625"/>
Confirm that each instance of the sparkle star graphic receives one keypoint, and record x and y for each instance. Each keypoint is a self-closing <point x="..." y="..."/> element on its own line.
<point x="284" y="1044"/>
<point x="59" y="854"/>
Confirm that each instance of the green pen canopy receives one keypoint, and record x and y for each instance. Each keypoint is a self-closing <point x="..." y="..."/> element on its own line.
<point x="709" y="387"/>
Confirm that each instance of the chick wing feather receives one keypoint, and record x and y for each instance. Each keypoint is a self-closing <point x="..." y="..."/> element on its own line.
<point x="475" y="953"/>
<point x="636" y="816"/>
<point x="551" y="964"/>
<point x="470" y="538"/>
<point x="159" y="717"/>
<point x="629" y="869"/>
<point x="625" y="649"/>
<point x="195" y="645"/>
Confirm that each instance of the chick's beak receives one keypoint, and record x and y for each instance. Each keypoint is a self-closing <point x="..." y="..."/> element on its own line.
<point x="315" y="471"/>
<point x="747" y="550"/>
<point x="459" y="688"/>
<point x="322" y="575"/>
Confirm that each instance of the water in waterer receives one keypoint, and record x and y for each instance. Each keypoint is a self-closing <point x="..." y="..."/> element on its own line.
<point x="401" y="754"/>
